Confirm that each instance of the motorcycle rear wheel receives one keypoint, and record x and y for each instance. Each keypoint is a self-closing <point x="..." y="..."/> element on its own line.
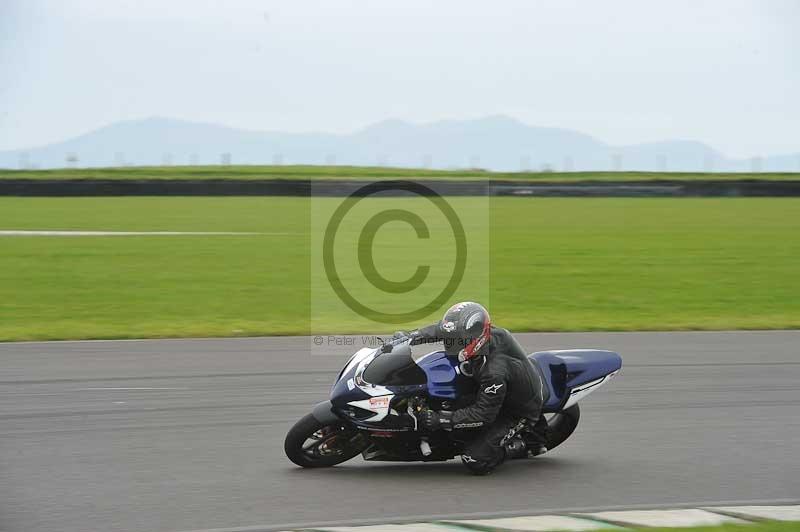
<point x="310" y="443"/>
<point x="562" y="425"/>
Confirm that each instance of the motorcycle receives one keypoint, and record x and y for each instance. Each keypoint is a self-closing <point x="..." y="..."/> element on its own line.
<point x="375" y="400"/>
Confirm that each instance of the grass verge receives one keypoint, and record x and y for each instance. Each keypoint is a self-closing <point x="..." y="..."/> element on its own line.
<point x="557" y="264"/>
<point x="371" y="173"/>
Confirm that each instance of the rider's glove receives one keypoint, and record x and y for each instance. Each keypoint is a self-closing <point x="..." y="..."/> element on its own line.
<point x="400" y="335"/>
<point x="433" y="420"/>
<point x="414" y="336"/>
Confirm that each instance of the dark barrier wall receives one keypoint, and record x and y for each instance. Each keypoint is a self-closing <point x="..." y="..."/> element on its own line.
<point x="228" y="187"/>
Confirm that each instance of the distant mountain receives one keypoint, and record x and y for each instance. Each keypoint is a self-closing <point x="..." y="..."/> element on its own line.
<point x="495" y="143"/>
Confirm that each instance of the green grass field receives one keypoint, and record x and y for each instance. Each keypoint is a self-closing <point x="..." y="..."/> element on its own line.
<point x="553" y="264"/>
<point x="371" y="173"/>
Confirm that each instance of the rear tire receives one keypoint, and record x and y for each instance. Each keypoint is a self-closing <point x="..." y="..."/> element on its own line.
<point x="310" y="443"/>
<point x="562" y="425"/>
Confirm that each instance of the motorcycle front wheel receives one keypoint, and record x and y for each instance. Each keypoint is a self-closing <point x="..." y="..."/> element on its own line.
<point x="310" y="443"/>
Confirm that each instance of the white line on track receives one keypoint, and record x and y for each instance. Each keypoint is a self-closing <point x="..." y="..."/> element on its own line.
<point x="775" y="513"/>
<point x="683" y="517"/>
<point x="136" y="233"/>
<point x="124" y="389"/>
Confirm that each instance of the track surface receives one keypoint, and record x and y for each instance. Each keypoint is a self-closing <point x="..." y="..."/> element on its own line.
<point x="188" y="434"/>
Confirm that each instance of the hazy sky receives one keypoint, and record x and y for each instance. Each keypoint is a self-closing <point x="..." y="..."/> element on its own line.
<point x="724" y="72"/>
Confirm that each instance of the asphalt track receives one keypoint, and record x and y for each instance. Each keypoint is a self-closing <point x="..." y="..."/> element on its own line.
<point x="179" y="435"/>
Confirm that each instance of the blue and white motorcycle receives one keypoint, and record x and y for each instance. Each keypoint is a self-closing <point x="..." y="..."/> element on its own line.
<point x="374" y="401"/>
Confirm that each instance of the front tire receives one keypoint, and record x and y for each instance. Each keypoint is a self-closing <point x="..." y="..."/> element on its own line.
<point x="310" y="443"/>
<point x="562" y="425"/>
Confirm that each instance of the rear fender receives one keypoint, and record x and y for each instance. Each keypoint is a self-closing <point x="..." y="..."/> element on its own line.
<point x="573" y="374"/>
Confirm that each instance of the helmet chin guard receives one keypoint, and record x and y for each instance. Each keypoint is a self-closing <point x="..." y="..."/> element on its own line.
<point x="469" y="367"/>
<point x="473" y="347"/>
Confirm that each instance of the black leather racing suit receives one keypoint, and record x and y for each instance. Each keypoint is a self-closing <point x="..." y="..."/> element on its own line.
<point x="509" y="398"/>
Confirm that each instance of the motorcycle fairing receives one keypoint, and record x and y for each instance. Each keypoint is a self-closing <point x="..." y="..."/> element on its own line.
<point x="362" y="392"/>
<point x="371" y="381"/>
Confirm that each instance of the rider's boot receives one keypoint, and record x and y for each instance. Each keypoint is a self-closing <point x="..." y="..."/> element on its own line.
<point x="536" y="437"/>
<point x="537" y="450"/>
<point x="516" y="448"/>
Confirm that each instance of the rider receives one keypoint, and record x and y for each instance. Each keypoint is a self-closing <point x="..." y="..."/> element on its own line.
<point x="509" y="397"/>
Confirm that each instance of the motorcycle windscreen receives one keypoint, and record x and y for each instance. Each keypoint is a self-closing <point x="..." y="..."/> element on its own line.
<point x="396" y="368"/>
